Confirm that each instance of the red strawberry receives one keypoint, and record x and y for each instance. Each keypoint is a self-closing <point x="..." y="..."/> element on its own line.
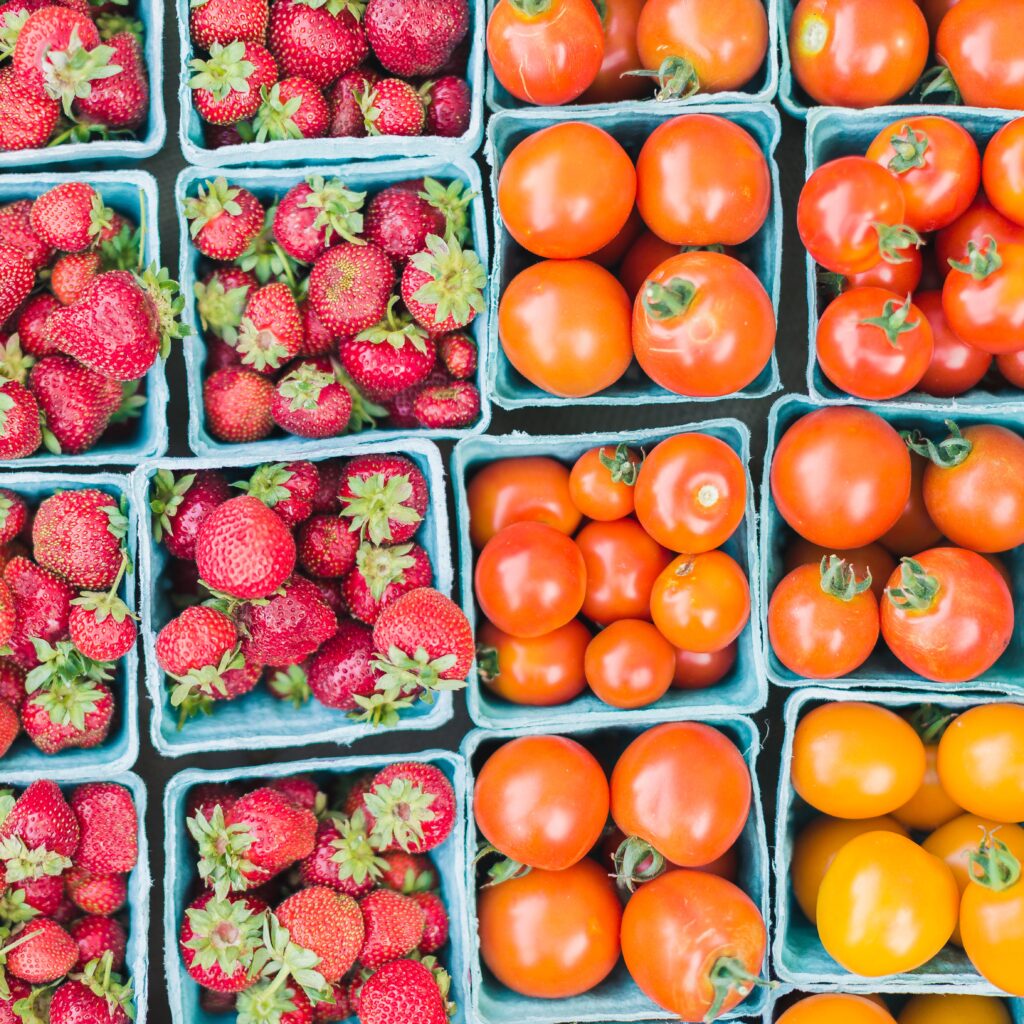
<point x="46" y="956"/>
<point x="71" y="216"/>
<point x="101" y="894"/>
<point x="76" y="402"/>
<point x="271" y="331"/>
<point x="109" y="827"/>
<point x="449" y="105"/>
<point x="97" y="936"/>
<point x="382" y="574"/>
<point x="16" y="230"/>
<point x="43" y="601"/>
<point x="355" y="987"/>
<point x="97" y="994"/>
<point x="17" y="279"/>
<point x="217" y="1002"/>
<point x="208" y="795"/>
<point x="458" y="353"/>
<point x="218" y="939"/>
<point x="317" y="42"/>
<point x="10" y="726"/>
<point x="227" y="86"/>
<point x="394" y="926"/>
<point x="71" y="275"/>
<point x="289" y="627"/>
<point x="32" y="324"/>
<point x="221" y="298"/>
<point x="317" y="340"/>
<point x="237" y="404"/>
<point x="435" y="934"/>
<point x="30" y="897"/>
<point x="408" y="872"/>
<point x="122" y="100"/>
<point x="12" y="683"/>
<point x="179" y="505"/>
<point x="287" y="1004"/>
<point x="220" y="355"/>
<point x="404" y="990"/>
<point x="101" y="626"/>
<point x="198" y="649"/>
<point x="289" y="489"/>
<point x="399" y="220"/>
<point x="301" y="790"/>
<point x="68" y="715"/>
<point x="384" y="497"/>
<point x="339" y="673"/>
<point x="349" y="287"/>
<point x="343" y="858"/>
<point x="216" y="136"/>
<point x="311" y="403"/>
<point x="224" y="21"/>
<point x="447" y="406"/>
<point x="330" y="591"/>
<point x="19" y="421"/>
<point x="327" y="923"/>
<point x="413" y="807"/>
<point x="223" y="219"/>
<point x="28" y="115"/>
<point x="13" y="515"/>
<point x="391" y="107"/>
<point x="326" y="1013"/>
<point x="80" y="536"/>
<point x="41" y="819"/>
<point x="8" y="614"/>
<point x="326" y="547"/>
<point x="415" y="38"/>
<point x="326" y="499"/>
<point x="19" y="990"/>
<point x="315" y="212"/>
<point x="443" y="286"/>
<point x="293" y="108"/>
<point x="347" y="120"/>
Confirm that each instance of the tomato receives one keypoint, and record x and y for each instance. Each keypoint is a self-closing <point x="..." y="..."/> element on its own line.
<point x="885" y="905"/>
<point x="840" y="476"/>
<point x="947" y="615"/>
<point x="835" y="1009"/>
<point x="937" y="164"/>
<point x="701" y="671"/>
<point x="630" y="664"/>
<point x="954" y="1009"/>
<point x="545" y="51"/>
<point x="565" y="326"/>
<point x="1003" y="170"/>
<point x="694" y="943"/>
<point x="530" y="579"/>
<point x="726" y="866"/>
<point x="691" y="492"/>
<point x="983" y="298"/>
<point x="619" y="18"/>
<point x="720" y="46"/>
<point x="551" y="934"/>
<point x="622" y="564"/>
<point x="935" y="11"/>
<point x="702" y="180"/>
<point x="981" y="761"/>
<point x="684" y="788"/>
<point x="901" y="278"/>
<point x="870" y="559"/>
<point x="815" y="848"/>
<point x="956" y="367"/>
<point x="856" y="760"/>
<point x="643" y="258"/>
<point x="701" y="602"/>
<point x="703" y="325"/>
<point x="981" y="221"/>
<point x="530" y="489"/>
<point x="602" y="481"/>
<point x="566" y="191"/>
<point x="1011" y="366"/>
<point x="857" y="53"/>
<point x="914" y="531"/>
<point x="537" y="671"/>
<point x="611" y="253"/>
<point x="931" y="806"/>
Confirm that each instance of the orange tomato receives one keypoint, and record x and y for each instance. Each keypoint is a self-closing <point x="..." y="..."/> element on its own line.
<point x="914" y="531"/>
<point x="602" y="480"/>
<point x="836" y="1009"/>
<point x="1003" y="170"/>
<point x="630" y="664"/>
<point x="619" y="18"/>
<point x="700" y="671"/>
<point x="931" y="806"/>
<point x="646" y="253"/>
<point x="870" y="558"/>
<point x="954" y="1009"/>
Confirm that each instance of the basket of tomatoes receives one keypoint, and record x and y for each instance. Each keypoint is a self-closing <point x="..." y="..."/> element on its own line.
<point x="798" y="1006"/>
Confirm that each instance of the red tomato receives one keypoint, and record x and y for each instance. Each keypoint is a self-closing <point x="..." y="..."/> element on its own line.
<point x="1011" y="366"/>
<point x="643" y="257"/>
<point x="1003" y="171"/>
<point x="703" y="325"/>
<point x="702" y="180"/>
<point x="611" y="254"/>
<point x="873" y="344"/>
<point x="602" y="480"/>
<point x="947" y="615"/>
<point x="545" y="52"/>
<point x="530" y="579"/>
<point x="901" y="278"/>
<point x="935" y="11"/>
<point x="870" y="559"/>
<point x="566" y="191"/>
<point x="956" y="367"/>
<point x="980" y="221"/>
<point x="678" y="929"/>
<point x="684" y="788"/>
<point x="857" y="53"/>
<point x="914" y="530"/>
<point x="983" y="298"/>
<point x="937" y="164"/>
<point x="630" y="664"/>
<point x="620" y="55"/>
<point x="841" y="476"/>
<point x="691" y="493"/>
<point x="565" y="326"/>
<point x="702" y="671"/>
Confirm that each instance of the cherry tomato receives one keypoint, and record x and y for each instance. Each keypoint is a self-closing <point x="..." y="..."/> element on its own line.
<point x="684" y="788"/>
<point x="835" y="1009"/>
<point x="566" y="190"/>
<point x="694" y="943"/>
<point x="530" y="489"/>
<point x="691" y="493"/>
<point x="619" y="18"/>
<point x="983" y="298"/>
<point x="885" y="906"/>
<point x="981" y="221"/>
<point x="857" y="53"/>
<point x="1011" y="366"/>
<point x="622" y="563"/>
<point x="545" y="51"/>
<point x="565" y="326"/>
<point x="956" y="367"/>
<point x="611" y="253"/>
<point x="935" y="11"/>
<point x="537" y="671"/>
<point x="551" y="934"/>
<point x="530" y="579"/>
<point x="542" y="801"/>
<point x="816" y="846"/>
<point x="914" y="531"/>
<point x="1003" y="171"/>
<point x="701" y="671"/>
<point x="720" y="46"/>
<point x="701" y="602"/>
<point x="937" y="164"/>
<point x="870" y="559"/>
<point x="873" y="344"/>
<point x="901" y="278"/>
<point x="841" y="476"/>
<point x="645" y="255"/>
<point x="703" y="325"/>
<point x="702" y="180"/>
<point x="726" y="866"/>
<point x="931" y="806"/>
<point x="954" y="1009"/>
<point x="981" y="761"/>
<point x="602" y="482"/>
<point x="630" y="664"/>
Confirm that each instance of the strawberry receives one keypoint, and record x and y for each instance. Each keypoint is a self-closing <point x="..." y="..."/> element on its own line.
<point x="198" y="648"/>
<point x="102" y="894"/>
<point x="347" y="119"/>
<point x="180" y="504"/>
<point x="10" y="726"/>
<point x="71" y="216"/>
<point x="384" y="497"/>
<point x="217" y="1002"/>
<point x="311" y="403"/>
<point x="96" y="936"/>
<point x="413" y="807"/>
<point x="317" y="41"/>
<point x="390" y="356"/>
<point x="41" y="819"/>
<point x="435" y="934"/>
<point x="109" y="827"/>
<point x="458" y="353"/>
<point x="327" y="923"/>
<point x="273" y="1004"/>
<point x="8" y="614"/>
<point x="14" y="364"/>
<point x="349" y="287"/>
<point x="447" y="406"/>
<point x="122" y="100"/>
<point x="28" y="115"/>
<point x="355" y="987"/>
<point x="391" y="106"/>
<point x="227" y="86"/>
<point x="100" y="625"/>
<point x="12" y="683"/>
<point x="68" y="714"/>
<point x="96" y="994"/>
<point x="17" y="280"/>
<point x="343" y="858"/>
<point x="326" y="499"/>
<point x="408" y="872"/>
<point x="315" y="211"/>
<point x="330" y="591"/>
<point x="326" y="547"/>
<point x="415" y="38"/>
<point x="46" y="952"/>
<point x="220" y="355"/>
<point x="216" y="136"/>
<point x="339" y="673"/>
<point x="18" y="990"/>
<point x="317" y="340"/>
<point x="32" y="324"/>
<point x="394" y="926"/>
<point x="399" y="221"/>
<point x="224" y="21"/>
<point x="221" y="298"/>
<point x="301" y="790"/>
<point x="237" y="404"/>
<point x="223" y="219"/>
<point x="443" y="286"/>
<point x="71" y="275"/>
<point x="13" y="515"/>
<point x="293" y="108"/>
<point x="43" y="601"/>
<point x="405" y="990"/>
<point x="44" y="895"/>
<point x="382" y="574"/>
<point x="271" y="330"/>
<point x="449" y="106"/>
<point x="287" y="488"/>
<point x="76" y="402"/>
<point x="289" y="627"/>
<point x="20" y="434"/>
<point x="218" y="939"/>
<point x="16" y="230"/>
<point x="264" y="258"/>
<point x="208" y="795"/>
<point x="338" y="1010"/>
<point x="80" y="536"/>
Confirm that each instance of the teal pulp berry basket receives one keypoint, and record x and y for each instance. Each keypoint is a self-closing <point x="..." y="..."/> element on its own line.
<point x="763" y="253"/>
<point x="617" y="999"/>
<point x="743" y="690"/>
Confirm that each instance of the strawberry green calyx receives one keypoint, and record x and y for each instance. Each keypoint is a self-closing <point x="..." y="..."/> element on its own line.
<point x="459" y="279"/>
<point x="947" y="453"/>
<point x="395" y="330"/>
<point x="101" y="217"/>
<point x="982" y="260"/>
<point x="6" y="506"/>
<point x="399" y="809"/>
<point x="68" y="73"/>
<point x="264" y="258"/>
<point x="444" y="983"/>
<point x="221" y="309"/>
<point x="364" y="412"/>
<point x="11" y="939"/>
<point x="620" y="465"/>
<point x="366" y="100"/>
<point x="7" y="802"/>
<point x="263" y="1003"/>
<point x="64" y="665"/>
<point x="104" y="605"/>
<point x="268" y="483"/>
<point x="893" y="239"/>
<point x="123" y="251"/>
<point x="452" y="201"/>
<point x="383" y="708"/>
<point x="168" y="303"/>
<point x="302" y="387"/>
<point x="381" y="566"/>
<point x="22" y="862"/>
<point x="917" y="590"/>
<point x="397" y="672"/>
<point x="35" y="1007"/>
<point x="112" y="24"/>
<point x="223" y="865"/>
<point x="99" y="977"/>
<point x="839" y="580"/>
<point x="280" y="960"/>
<point x="10" y="28"/>
<point x="677" y="78"/>
<point x="275" y="118"/>
<point x="167" y="496"/>
<point x="894" y="321"/>
<point x="132" y="403"/>
<point x="355" y="855"/>
<point x="210" y="201"/>
<point x="225" y="71"/>
<point x="290" y="684"/>
<point x="339" y="209"/>
<point x="14" y="909"/>
<point x="909" y="148"/>
<point x="260" y="349"/>
<point x="15" y="364"/>
<point x="225" y="933"/>
<point x="68" y="704"/>
<point x="207" y="681"/>
<point x="375" y="503"/>
<point x="335" y="7"/>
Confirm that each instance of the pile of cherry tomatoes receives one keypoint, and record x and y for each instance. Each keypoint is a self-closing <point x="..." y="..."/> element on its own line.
<point x="934" y="1008"/>
<point x="564" y="892"/>
<point x="609" y="573"/>
<point x="637" y="261"/>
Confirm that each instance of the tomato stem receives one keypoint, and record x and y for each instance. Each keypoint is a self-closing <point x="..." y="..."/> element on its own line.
<point x="982" y="260"/>
<point x="487" y="666"/>
<point x="677" y="78"/>
<point x="948" y="453"/>
<point x="531" y="8"/>
<point x="622" y="468"/>
<point x="993" y="865"/>
<point x="909" y="147"/>
<point x="502" y="870"/>
<point x="838" y="579"/>
<point x="894" y="238"/>
<point x="930" y="722"/>
<point x="665" y="301"/>
<point x="893" y="321"/>
<point x="727" y="974"/>
<point x="630" y="859"/>
<point x="917" y="590"/>
<point x="939" y="80"/>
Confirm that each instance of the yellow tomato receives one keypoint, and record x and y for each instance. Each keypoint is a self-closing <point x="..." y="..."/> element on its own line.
<point x="836" y="1009"/>
<point x="931" y="806"/>
<point x="954" y="1010"/>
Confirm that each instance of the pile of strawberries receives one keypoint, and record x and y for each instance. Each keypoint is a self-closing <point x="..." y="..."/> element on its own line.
<point x="66" y="865"/>
<point x="81" y="320"/>
<point x="325" y="312"/>
<point x="76" y="72"/>
<point x="63" y="626"/>
<point x="311" y="581"/>
<point x="305" y="69"/>
<point x="313" y="909"/>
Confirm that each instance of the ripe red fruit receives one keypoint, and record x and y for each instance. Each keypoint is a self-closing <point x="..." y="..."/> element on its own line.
<point x="223" y="219"/>
<point x="317" y="42"/>
<point x="215" y="81"/>
<point x="96" y="894"/>
<point x="13" y="515"/>
<point x="16" y="281"/>
<point x="394" y="926"/>
<point x="339" y="673"/>
<point x="41" y="817"/>
<point x="326" y="547"/>
<point x="218" y="938"/>
<point x="443" y="286"/>
<point x="346" y="115"/>
<point x="314" y="213"/>
<point x="28" y="115"/>
<point x="289" y="628"/>
<point x="19" y="421"/>
<point x="447" y="406"/>
<point x="343" y="858"/>
<point x="326" y="922"/>
<point x="47" y="35"/>
<point x="100" y="626"/>
<point x="77" y="403"/>
<point x="412" y="805"/>
<point x="270" y="334"/>
<point x="197" y="638"/>
<point x="109" y="827"/>
<point x="458" y="353"/>
<point x="292" y="109"/>
<point x="16" y="230"/>
<point x="390" y="356"/>
<point x="381" y="575"/>
<point x="180" y="504"/>
<point x="43" y="601"/>
<point x="71" y="275"/>
<point x="391" y="106"/>
<point x="70" y="217"/>
<point x="404" y="990"/>
<point x="349" y="287"/>
<point x="48" y="955"/>
<point x="10" y="726"/>
<point x="79" y="535"/>
<point x="224" y="21"/>
<point x="399" y="219"/>
<point x="221" y="297"/>
<point x="310" y="402"/>
<point x="384" y="497"/>
<point x="435" y="934"/>
<point x="32" y="324"/>
<point x="415" y="38"/>
<point x="288" y="488"/>
<point x="122" y="100"/>
<point x="97" y="936"/>
<point x="237" y="404"/>
<point x="449" y="106"/>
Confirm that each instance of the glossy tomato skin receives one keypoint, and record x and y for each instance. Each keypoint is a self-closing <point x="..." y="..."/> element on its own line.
<point x="538" y="671"/>
<point x="701" y="671"/>
<point x="1011" y="366"/>
<point x="549" y="58"/>
<point x="988" y="313"/>
<point x="566" y="191"/>
<point x="602" y="482"/>
<point x="677" y="927"/>
<point x="630" y="664"/>
<point x="550" y="934"/>
<point x="857" y="53"/>
<point x="871" y="558"/>
<point x="981" y="221"/>
<point x="722" y="337"/>
<point x="954" y="1009"/>
<point x="565" y="326"/>
<point x="966" y="626"/>
<point x="702" y="180"/>
<point x="901" y="278"/>
<point x="530" y="579"/>
<point x="529" y="489"/>
<point x="542" y="801"/>
<point x="914" y="531"/>
<point x="1003" y="170"/>
<point x="643" y="257"/>
<point x="992" y="931"/>
<point x="620" y="55"/>
<point x="931" y="806"/>
<point x="836" y="1009"/>
<point x="611" y="253"/>
<point x="840" y="476"/>
<point x="685" y="789"/>
<point x="691" y="492"/>
<point x="955" y="366"/>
